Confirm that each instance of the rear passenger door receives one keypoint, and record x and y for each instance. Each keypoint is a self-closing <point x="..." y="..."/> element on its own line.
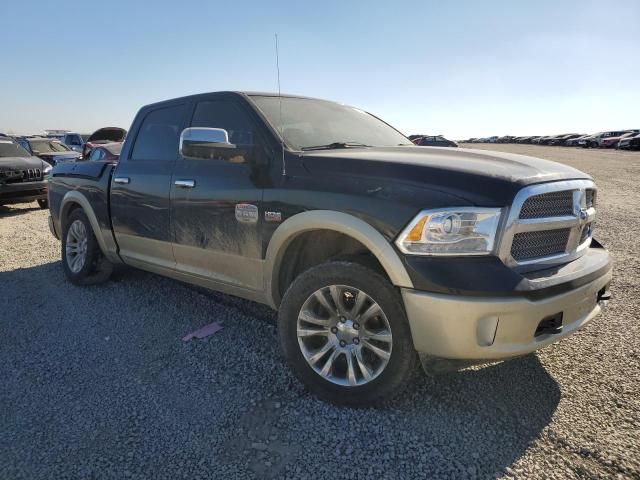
<point x="217" y="221"/>
<point x="141" y="186"/>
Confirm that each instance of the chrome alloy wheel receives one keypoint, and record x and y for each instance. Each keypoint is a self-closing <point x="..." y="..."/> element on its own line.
<point x="344" y="335"/>
<point x="76" y="246"/>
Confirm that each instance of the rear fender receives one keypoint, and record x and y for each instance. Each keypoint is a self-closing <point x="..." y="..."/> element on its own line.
<point x="106" y="242"/>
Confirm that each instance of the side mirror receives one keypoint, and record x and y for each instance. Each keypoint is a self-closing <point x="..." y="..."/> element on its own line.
<point x="202" y="143"/>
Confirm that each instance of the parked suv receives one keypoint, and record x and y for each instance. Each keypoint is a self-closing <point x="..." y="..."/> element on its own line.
<point x="595" y="140"/>
<point x="612" y="142"/>
<point x="629" y="142"/>
<point x="375" y="252"/>
<point x="22" y="176"/>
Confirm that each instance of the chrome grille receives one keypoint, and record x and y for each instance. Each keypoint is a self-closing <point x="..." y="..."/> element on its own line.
<point x="553" y="204"/>
<point x="31" y="175"/>
<point x="585" y="234"/>
<point x="544" y="243"/>
<point x="549" y="223"/>
<point x="16" y="176"/>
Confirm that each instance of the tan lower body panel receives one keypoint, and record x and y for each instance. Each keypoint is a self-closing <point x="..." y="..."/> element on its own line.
<point x="245" y="272"/>
<point x="253" y="295"/>
<point x="134" y="248"/>
<point x="473" y="328"/>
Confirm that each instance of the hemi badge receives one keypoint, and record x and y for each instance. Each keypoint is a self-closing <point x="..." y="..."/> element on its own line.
<point x="273" y="216"/>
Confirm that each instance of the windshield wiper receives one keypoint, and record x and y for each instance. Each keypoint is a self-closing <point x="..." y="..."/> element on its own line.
<point x="335" y="145"/>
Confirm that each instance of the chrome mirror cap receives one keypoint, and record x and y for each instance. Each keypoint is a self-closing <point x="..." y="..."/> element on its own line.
<point x="199" y="143"/>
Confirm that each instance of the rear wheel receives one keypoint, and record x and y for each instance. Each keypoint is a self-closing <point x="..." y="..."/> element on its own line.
<point x="345" y="334"/>
<point x="43" y="204"/>
<point x="82" y="260"/>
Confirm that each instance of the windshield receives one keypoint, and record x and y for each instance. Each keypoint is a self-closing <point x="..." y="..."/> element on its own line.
<point x="10" y="149"/>
<point x="48" y="146"/>
<point x="310" y="123"/>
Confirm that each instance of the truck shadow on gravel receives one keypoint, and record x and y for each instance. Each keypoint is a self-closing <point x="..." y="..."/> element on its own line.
<point x="12" y="211"/>
<point x="231" y="397"/>
<point x="469" y="424"/>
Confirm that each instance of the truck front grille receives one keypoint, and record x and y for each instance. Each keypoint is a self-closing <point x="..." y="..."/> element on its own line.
<point x="545" y="243"/>
<point x="549" y="223"/>
<point x="552" y="204"/>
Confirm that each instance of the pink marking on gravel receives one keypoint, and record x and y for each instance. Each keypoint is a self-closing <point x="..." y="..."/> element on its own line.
<point x="203" y="332"/>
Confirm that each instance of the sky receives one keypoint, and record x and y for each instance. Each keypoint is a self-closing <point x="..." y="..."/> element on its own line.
<point x="463" y="68"/>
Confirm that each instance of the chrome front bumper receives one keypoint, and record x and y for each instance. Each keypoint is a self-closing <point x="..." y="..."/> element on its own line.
<point x="480" y="328"/>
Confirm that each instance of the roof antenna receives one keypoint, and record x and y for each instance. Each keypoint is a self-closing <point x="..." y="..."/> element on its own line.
<point x="284" y="166"/>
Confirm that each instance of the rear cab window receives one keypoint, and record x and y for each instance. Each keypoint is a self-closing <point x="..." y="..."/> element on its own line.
<point x="158" y="135"/>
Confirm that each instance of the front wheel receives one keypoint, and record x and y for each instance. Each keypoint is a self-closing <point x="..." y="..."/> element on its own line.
<point x="345" y="334"/>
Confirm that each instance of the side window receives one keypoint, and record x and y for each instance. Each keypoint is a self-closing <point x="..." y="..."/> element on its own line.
<point x="158" y="135"/>
<point x="24" y="144"/>
<point x="225" y="114"/>
<point x="71" y="140"/>
<point x="96" y="154"/>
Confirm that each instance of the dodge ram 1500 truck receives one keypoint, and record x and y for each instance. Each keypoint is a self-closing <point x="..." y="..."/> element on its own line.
<point x="376" y="253"/>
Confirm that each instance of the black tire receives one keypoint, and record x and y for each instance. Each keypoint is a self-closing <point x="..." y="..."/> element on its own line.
<point x="43" y="204"/>
<point x="95" y="267"/>
<point x="403" y="359"/>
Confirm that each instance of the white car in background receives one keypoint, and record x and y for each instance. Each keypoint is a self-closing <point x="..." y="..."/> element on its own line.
<point x="72" y="140"/>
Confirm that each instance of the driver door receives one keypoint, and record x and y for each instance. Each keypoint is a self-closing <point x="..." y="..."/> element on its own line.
<point x="216" y="203"/>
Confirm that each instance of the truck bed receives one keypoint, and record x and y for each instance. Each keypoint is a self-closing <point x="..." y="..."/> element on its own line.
<point x="91" y="180"/>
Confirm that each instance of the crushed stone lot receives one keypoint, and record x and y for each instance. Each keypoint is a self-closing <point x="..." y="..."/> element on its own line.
<point x="97" y="383"/>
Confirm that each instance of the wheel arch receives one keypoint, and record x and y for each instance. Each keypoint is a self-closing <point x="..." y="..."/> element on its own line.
<point x="339" y="222"/>
<point x="75" y="199"/>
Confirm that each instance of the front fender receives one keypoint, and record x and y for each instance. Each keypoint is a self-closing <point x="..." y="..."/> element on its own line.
<point x="329" y="220"/>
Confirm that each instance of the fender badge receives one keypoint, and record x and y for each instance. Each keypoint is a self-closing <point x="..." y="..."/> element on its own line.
<point x="273" y="216"/>
<point x="246" y="213"/>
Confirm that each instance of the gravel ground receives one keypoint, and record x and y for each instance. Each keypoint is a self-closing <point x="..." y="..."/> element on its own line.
<point x="96" y="382"/>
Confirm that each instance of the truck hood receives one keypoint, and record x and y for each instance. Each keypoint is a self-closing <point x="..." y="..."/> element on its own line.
<point x="111" y="134"/>
<point x="20" y="163"/>
<point x="477" y="175"/>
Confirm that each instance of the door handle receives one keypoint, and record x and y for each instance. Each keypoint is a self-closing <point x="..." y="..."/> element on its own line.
<point x="185" y="183"/>
<point x="123" y="180"/>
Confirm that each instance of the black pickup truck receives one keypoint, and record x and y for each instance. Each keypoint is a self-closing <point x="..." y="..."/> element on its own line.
<point x="375" y="252"/>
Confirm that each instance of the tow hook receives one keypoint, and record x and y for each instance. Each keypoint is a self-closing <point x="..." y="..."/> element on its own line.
<point x="604" y="296"/>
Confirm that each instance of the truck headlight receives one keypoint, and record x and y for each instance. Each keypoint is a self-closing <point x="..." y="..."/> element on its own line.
<point x="451" y="231"/>
<point x="47" y="170"/>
